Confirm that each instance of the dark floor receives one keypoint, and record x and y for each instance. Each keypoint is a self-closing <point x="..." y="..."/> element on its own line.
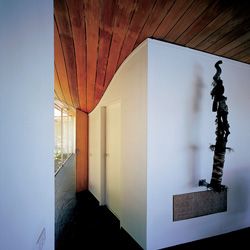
<point x="95" y="227"/>
<point x="237" y="240"/>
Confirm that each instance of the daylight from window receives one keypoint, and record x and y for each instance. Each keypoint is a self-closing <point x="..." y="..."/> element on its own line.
<point x="64" y="135"/>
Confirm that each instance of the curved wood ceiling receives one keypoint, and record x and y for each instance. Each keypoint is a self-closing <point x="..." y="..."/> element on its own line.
<point x="93" y="37"/>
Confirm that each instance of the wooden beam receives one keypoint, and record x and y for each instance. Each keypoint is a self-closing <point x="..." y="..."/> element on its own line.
<point x="81" y="151"/>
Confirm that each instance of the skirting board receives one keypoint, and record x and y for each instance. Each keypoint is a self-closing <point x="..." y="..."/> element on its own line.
<point x="191" y="205"/>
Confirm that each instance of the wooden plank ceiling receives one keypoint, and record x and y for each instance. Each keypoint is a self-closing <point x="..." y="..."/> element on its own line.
<point x="94" y="37"/>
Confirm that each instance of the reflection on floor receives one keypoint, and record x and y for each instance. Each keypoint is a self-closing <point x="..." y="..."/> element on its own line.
<point x="95" y="227"/>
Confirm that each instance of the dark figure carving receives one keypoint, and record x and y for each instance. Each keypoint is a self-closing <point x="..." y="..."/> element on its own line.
<point x="222" y="112"/>
<point x="219" y="102"/>
<point x="222" y="132"/>
<point x="218" y="88"/>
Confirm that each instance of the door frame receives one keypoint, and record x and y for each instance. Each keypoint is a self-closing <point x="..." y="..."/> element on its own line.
<point x="103" y="179"/>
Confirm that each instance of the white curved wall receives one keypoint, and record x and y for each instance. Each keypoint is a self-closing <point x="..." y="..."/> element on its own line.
<point x="129" y="86"/>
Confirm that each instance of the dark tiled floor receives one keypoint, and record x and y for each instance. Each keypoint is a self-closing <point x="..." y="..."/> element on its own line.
<point x="95" y="227"/>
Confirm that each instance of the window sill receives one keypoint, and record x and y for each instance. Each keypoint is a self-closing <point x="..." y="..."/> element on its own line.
<point x="62" y="165"/>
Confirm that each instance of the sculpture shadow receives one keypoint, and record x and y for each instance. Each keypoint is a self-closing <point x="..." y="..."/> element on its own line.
<point x="194" y="119"/>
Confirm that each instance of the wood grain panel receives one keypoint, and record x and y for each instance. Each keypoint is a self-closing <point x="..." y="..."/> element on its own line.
<point x="76" y="13"/>
<point x="81" y="151"/>
<point x="142" y="11"/>
<point x="214" y="25"/>
<point x="191" y="205"/>
<point x="60" y="67"/>
<point x="92" y="15"/>
<point x="243" y="55"/>
<point x="64" y="28"/>
<point x="246" y="59"/>
<point x="123" y="12"/>
<point x="57" y="87"/>
<point x="160" y="10"/>
<point x="172" y="17"/>
<point x="94" y="37"/>
<point x="99" y="91"/>
<point x="106" y="26"/>
<point x="192" y="13"/>
<point x="228" y="49"/>
<point x="238" y="31"/>
<point x="55" y="95"/>
<point x="224" y="32"/>
<point x="200" y="23"/>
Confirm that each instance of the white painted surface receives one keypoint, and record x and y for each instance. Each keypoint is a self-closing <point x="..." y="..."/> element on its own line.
<point x="26" y="126"/>
<point x="103" y="156"/>
<point x="129" y="87"/>
<point x="113" y="158"/>
<point x="95" y="154"/>
<point x="180" y="129"/>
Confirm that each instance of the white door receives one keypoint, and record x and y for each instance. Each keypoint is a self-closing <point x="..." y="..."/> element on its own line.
<point x="113" y="157"/>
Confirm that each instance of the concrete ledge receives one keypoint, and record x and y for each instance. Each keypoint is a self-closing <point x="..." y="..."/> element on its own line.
<point x="191" y="205"/>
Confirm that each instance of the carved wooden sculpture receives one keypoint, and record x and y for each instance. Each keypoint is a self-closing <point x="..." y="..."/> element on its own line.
<point x="222" y="131"/>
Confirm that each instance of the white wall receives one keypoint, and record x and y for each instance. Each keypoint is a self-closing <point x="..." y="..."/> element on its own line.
<point x="95" y="154"/>
<point x="129" y="87"/>
<point x="180" y="129"/>
<point x="26" y="126"/>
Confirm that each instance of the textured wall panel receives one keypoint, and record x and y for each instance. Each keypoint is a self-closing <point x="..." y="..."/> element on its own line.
<point x="190" y="205"/>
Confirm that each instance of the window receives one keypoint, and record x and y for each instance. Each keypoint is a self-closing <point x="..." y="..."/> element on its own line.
<point x="64" y="119"/>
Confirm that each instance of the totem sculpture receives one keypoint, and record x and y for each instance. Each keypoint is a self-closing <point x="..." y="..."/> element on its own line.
<point x="219" y="102"/>
<point x="222" y="131"/>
